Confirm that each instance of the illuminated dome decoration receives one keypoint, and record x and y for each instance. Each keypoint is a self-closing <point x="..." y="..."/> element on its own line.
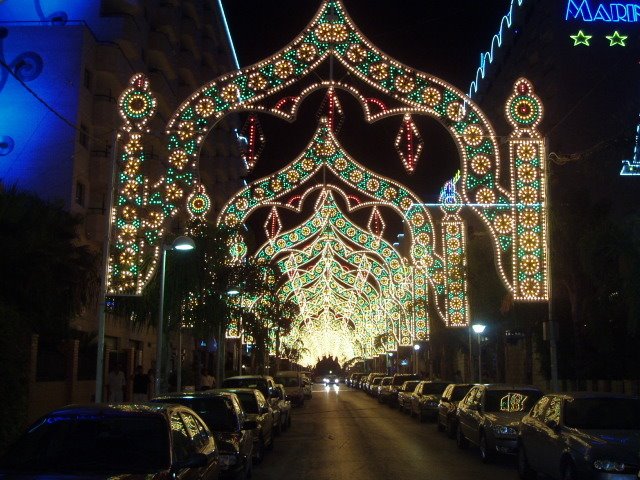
<point x="352" y="285"/>
<point x="198" y="203"/>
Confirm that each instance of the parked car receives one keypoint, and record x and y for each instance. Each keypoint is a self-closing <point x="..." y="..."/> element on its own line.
<point x="372" y="389"/>
<point x="154" y="441"/>
<point x="581" y="435"/>
<point x="307" y="387"/>
<point x="369" y="380"/>
<point x="425" y="399"/>
<point x="222" y="413"/>
<point x="257" y="410"/>
<point x="267" y="386"/>
<point x="355" y="382"/>
<point x="404" y="395"/>
<point x="384" y="389"/>
<point x="489" y="416"/>
<point x="448" y="406"/>
<point x="285" y="407"/>
<point x="397" y="382"/>
<point x="293" y="383"/>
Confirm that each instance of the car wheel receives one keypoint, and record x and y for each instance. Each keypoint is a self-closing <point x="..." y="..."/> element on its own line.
<point x="461" y="440"/>
<point x="569" y="471"/>
<point x="451" y="428"/>
<point x="525" y="472"/>
<point x="485" y="452"/>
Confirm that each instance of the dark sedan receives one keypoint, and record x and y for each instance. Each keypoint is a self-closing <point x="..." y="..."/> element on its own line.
<point x="257" y="409"/>
<point x="447" y="408"/>
<point x="425" y="398"/>
<point x="581" y="435"/>
<point x="223" y="414"/>
<point x="404" y="395"/>
<point x="155" y="441"/>
<point x="489" y="416"/>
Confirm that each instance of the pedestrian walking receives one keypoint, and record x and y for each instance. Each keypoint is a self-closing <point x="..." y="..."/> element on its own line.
<point x="140" y="385"/>
<point x="116" y="384"/>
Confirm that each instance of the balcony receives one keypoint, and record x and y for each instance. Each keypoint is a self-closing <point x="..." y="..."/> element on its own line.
<point x="104" y="111"/>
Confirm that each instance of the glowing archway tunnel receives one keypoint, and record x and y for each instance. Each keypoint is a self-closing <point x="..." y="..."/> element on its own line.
<point x="358" y="295"/>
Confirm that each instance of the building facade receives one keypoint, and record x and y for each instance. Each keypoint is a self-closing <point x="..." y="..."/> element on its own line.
<point x="64" y="64"/>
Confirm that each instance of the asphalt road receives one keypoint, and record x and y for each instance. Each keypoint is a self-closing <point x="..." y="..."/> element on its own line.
<point x="343" y="434"/>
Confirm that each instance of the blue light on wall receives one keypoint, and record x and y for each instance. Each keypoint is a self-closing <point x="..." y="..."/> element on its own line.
<point x="609" y="12"/>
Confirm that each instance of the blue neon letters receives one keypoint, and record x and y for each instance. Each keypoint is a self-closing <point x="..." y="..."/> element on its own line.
<point x="612" y="12"/>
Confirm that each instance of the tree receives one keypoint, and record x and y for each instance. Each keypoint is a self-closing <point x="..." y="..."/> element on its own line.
<point x="47" y="279"/>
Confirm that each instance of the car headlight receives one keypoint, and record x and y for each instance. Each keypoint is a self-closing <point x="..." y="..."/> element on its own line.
<point x="608" y="466"/>
<point x="503" y="430"/>
<point x="336" y="380"/>
<point x="227" y="460"/>
<point x="325" y="380"/>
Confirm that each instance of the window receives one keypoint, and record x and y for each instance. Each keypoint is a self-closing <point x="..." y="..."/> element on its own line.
<point x="552" y="412"/>
<point x="183" y="447"/>
<point x="194" y="431"/>
<point x="80" y="193"/>
<point x="539" y="407"/>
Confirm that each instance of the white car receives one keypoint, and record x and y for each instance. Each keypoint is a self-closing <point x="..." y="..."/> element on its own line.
<point x="330" y="380"/>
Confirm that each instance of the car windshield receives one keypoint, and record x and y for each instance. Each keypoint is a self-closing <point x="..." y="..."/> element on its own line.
<point x="73" y="444"/>
<point x="386" y="381"/>
<point x="434" y="388"/>
<point x="459" y="393"/>
<point x="402" y="379"/>
<point x="510" y="400"/>
<point x="248" y="401"/>
<point x="409" y="386"/>
<point x="376" y="381"/>
<point x="257" y="383"/>
<point x="216" y="412"/>
<point x="603" y="413"/>
<point x="288" y="381"/>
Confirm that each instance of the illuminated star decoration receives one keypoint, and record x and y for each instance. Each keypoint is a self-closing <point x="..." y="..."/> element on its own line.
<point x="617" y="39"/>
<point x="581" y="39"/>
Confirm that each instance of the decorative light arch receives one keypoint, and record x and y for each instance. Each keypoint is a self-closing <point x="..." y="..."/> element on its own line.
<point x="514" y="214"/>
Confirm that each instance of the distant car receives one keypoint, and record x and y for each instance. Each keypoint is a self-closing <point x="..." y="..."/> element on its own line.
<point x="257" y="410"/>
<point x="293" y="383"/>
<point x="285" y="407"/>
<point x="397" y="382"/>
<point x="330" y="380"/>
<point x="223" y="414"/>
<point x="489" y="416"/>
<point x="425" y="399"/>
<point x="154" y="441"/>
<point x="448" y="406"/>
<point x="368" y="380"/>
<point x="581" y="435"/>
<point x="384" y="389"/>
<point x="404" y="395"/>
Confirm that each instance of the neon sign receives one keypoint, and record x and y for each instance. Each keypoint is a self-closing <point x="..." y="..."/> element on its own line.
<point x="618" y="12"/>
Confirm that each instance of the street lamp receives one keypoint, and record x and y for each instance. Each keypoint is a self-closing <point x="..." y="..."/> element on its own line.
<point x="182" y="244"/>
<point x="416" y="349"/>
<point x="478" y="329"/>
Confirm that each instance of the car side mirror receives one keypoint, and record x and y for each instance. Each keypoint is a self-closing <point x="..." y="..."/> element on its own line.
<point x="197" y="460"/>
<point x="250" y="425"/>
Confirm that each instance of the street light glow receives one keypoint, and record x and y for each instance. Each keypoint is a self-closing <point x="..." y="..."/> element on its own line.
<point x="416" y="347"/>
<point x="233" y="292"/>
<point x="184" y="243"/>
<point x="478" y="328"/>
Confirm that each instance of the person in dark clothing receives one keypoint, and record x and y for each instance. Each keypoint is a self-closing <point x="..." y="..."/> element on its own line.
<point x="140" y="385"/>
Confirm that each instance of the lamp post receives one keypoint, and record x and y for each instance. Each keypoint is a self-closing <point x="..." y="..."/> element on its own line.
<point x="181" y="244"/>
<point x="222" y="334"/>
<point x="478" y="329"/>
<point x="416" y="350"/>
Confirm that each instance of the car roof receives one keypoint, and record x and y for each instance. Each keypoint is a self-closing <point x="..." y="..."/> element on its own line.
<point x="288" y="373"/>
<point x="577" y="395"/>
<point x="200" y="394"/>
<point x="236" y="390"/>
<point x="508" y="386"/>
<point x="248" y="377"/>
<point x="114" y="409"/>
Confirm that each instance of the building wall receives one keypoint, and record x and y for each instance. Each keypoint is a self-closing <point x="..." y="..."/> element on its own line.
<point x="73" y="59"/>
